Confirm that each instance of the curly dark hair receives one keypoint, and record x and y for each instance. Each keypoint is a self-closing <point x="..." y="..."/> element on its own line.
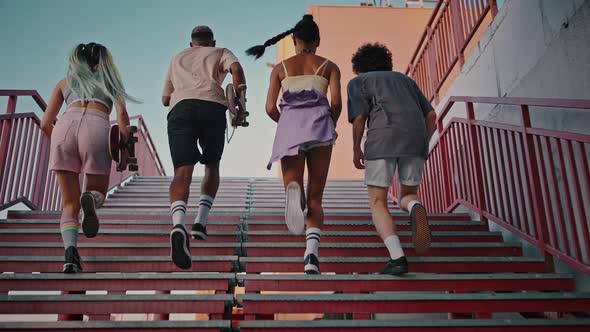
<point x="372" y="57"/>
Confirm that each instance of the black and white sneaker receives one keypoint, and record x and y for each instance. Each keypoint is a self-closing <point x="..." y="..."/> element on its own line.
<point x="73" y="263"/>
<point x="312" y="264"/>
<point x="89" y="218"/>
<point x="396" y="267"/>
<point x="293" y="213"/>
<point x="199" y="232"/>
<point x="179" y="241"/>
<point x="421" y="235"/>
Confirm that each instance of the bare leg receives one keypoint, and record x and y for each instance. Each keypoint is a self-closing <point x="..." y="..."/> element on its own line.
<point x="69" y="186"/>
<point x="93" y="198"/>
<point x="407" y="194"/>
<point x="382" y="218"/>
<point x="210" y="183"/>
<point x="180" y="185"/>
<point x="209" y="187"/>
<point x="293" y="167"/>
<point x="318" y="165"/>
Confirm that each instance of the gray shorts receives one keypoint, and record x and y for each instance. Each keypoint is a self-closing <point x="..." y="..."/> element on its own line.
<point x="379" y="172"/>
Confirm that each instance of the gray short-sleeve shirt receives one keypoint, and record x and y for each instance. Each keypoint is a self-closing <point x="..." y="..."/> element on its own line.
<point x="395" y="109"/>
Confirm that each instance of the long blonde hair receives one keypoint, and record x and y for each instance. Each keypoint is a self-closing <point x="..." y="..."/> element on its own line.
<point x="91" y="68"/>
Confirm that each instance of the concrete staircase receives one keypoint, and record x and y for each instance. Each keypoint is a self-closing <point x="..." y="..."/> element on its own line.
<point x="470" y="280"/>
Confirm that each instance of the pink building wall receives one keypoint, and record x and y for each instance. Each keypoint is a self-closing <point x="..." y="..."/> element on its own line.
<point x="343" y="29"/>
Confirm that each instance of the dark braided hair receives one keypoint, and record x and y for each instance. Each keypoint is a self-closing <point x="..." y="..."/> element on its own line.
<point x="90" y="53"/>
<point x="306" y="30"/>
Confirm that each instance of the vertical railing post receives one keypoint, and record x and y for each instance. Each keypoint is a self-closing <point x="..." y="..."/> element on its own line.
<point x="5" y="140"/>
<point x="493" y="7"/>
<point x="41" y="175"/>
<point x="444" y="156"/>
<point x="457" y="24"/>
<point x="479" y="171"/>
<point x="535" y="190"/>
<point x="431" y="63"/>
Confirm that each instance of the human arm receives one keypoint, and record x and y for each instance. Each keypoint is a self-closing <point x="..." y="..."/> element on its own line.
<point x="122" y="118"/>
<point x="168" y="87"/>
<point x="335" y="93"/>
<point x="55" y="103"/>
<point x="273" y="95"/>
<point x="358" y="129"/>
<point x="430" y="124"/>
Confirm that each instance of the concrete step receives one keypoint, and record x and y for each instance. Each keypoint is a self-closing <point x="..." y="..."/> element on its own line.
<point x="414" y="302"/>
<point x="54" y="264"/>
<point x="416" y="264"/>
<point x="109" y="235"/>
<point x="254" y="249"/>
<point x="427" y="325"/>
<point x="118" y="303"/>
<point x="251" y="225"/>
<point x="117" y="249"/>
<point x="126" y="214"/>
<point x="118" y="326"/>
<point x="367" y="237"/>
<point x="366" y="283"/>
<point x="115" y="282"/>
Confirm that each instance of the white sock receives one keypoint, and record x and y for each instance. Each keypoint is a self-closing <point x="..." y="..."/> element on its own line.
<point x="411" y="205"/>
<point x="312" y="236"/>
<point x="394" y="247"/>
<point x="98" y="198"/>
<point x="178" y="210"/>
<point x="205" y="204"/>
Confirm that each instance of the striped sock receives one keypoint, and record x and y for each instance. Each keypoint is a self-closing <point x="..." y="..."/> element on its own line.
<point x="312" y="236"/>
<point x="205" y="205"/>
<point x="178" y="210"/>
<point x="98" y="198"/>
<point x="69" y="231"/>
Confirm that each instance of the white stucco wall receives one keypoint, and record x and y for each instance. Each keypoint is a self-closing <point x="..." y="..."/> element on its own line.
<point x="536" y="49"/>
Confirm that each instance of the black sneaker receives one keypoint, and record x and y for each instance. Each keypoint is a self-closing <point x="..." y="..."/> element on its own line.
<point x="396" y="267"/>
<point x="312" y="264"/>
<point x="421" y="235"/>
<point x="199" y="232"/>
<point x="179" y="241"/>
<point x="89" y="220"/>
<point x="72" y="264"/>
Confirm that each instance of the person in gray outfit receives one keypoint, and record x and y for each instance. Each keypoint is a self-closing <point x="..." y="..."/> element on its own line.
<point x="400" y="123"/>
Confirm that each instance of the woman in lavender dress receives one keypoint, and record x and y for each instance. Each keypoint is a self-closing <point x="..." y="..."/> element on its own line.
<point x="305" y="129"/>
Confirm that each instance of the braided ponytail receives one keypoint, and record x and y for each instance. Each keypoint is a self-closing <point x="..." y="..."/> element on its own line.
<point x="306" y="29"/>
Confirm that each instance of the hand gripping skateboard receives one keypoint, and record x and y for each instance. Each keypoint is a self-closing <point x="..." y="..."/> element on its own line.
<point x="123" y="153"/>
<point x="237" y="107"/>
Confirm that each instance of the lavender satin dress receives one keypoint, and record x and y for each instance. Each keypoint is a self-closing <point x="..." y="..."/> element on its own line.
<point x="306" y="120"/>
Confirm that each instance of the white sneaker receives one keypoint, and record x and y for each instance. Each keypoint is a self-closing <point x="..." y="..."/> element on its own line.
<point x="293" y="213"/>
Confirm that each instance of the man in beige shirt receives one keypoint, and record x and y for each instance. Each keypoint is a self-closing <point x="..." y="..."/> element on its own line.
<point x="197" y="104"/>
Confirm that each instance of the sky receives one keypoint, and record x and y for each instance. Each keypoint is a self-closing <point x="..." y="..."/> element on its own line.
<point x="143" y="35"/>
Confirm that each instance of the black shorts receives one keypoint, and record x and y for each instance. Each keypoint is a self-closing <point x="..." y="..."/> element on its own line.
<point x="191" y="121"/>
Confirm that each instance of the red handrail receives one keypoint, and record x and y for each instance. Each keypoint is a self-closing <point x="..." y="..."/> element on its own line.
<point x="24" y="157"/>
<point x="449" y="30"/>
<point x="532" y="181"/>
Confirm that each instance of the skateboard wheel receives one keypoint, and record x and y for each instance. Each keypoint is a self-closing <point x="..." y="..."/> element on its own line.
<point x="134" y="139"/>
<point x="133" y="168"/>
<point x="132" y="129"/>
<point x="132" y="160"/>
<point x="246" y="113"/>
<point x="246" y="124"/>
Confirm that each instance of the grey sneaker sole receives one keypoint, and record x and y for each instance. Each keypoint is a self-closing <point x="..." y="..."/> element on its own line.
<point x="421" y="235"/>
<point x="181" y="255"/>
<point x="90" y="223"/>
<point x="293" y="213"/>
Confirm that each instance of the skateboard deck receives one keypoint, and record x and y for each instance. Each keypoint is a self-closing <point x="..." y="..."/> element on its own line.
<point x="123" y="153"/>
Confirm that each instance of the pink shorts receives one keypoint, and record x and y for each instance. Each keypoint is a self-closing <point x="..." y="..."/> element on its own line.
<point x="80" y="142"/>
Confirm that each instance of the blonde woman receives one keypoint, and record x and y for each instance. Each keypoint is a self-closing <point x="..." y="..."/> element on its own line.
<point x="79" y="140"/>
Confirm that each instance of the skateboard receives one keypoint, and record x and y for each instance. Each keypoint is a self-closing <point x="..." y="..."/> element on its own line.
<point x="123" y="153"/>
<point x="237" y="107"/>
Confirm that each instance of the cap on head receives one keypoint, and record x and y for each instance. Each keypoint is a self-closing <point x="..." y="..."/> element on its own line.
<point x="202" y="32"/>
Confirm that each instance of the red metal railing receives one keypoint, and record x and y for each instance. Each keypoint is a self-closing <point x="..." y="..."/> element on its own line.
<point x="24" y="157"/>
<point x="451" y="27"/>
<point x="534" y="182"/>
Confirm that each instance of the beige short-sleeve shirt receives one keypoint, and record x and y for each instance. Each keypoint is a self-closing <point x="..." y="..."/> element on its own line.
<point x="197" y="73"/>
